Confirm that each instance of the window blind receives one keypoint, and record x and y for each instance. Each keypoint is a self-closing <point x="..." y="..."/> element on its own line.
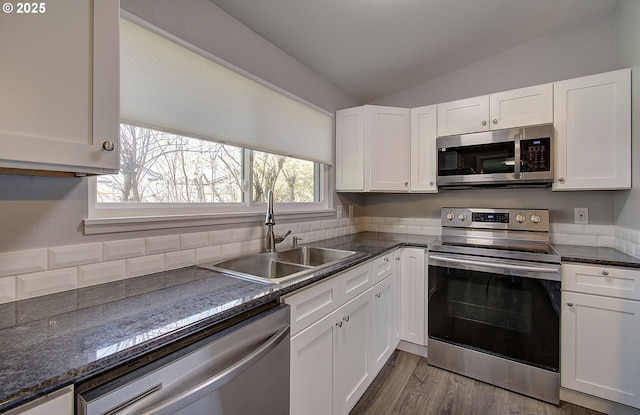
<point x="176" y="87"/>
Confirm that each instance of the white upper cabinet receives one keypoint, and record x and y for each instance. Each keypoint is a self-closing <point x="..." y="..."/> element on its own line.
<point x="593" y="132"/>
<point x="424" y="167"/>
<point x="372" y="149"/>
<point x="59" y="83"/>
<point x="515" y="108"/>
<point x="463" y="116"/>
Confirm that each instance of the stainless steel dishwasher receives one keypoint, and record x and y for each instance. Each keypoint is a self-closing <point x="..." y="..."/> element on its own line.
<point x="238" y="367"/>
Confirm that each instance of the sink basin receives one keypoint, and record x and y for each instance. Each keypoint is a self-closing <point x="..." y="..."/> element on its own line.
<point x="278" y="267"/>
<point x="309" y="255"/>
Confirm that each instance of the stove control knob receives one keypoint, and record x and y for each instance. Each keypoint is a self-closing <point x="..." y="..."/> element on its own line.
<point x="462" y="217"/>
<point x="520" y="218"/>
<point x="535" y="219"/>
<point x="450" y="216"/>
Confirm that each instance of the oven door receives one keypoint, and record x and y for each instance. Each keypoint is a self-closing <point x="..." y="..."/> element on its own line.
<point x="507" y="308"/>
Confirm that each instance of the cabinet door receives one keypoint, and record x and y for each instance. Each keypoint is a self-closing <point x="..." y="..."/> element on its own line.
<point x="592" y="122"/>
<point x="412" y="299"/>
<point x="59" y="402"/>
<point x="389" y="140"/>
<point x="355" y="281"/>
<point x="424" y="166"/>
<point x="383" y="322"/>
<point x="60" y="86"/>
<point x="599" y="347"/>
<point x="355" y="338"/>
<point x="313" y="358"/>
<point x="469" y="115"/>
<point x="350" y="149"/>
<point x="521" y="107"/>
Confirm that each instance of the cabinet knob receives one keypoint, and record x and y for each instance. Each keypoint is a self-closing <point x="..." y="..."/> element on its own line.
<point x="377" y="295"/>
<point x="386" y="259"/>
<point x="346" y="318"/>
<point x="605" y="273"/>
<point x="406" y="184"/>
<point x="561" y="179"/>
<point x="108" y="146"/>
<point x="495" y="121"/>
<point x="397" y="258"/>
<point x="339" y="324"/>
<point x="431" y="183"/>
<point x="484" y="123"/>
<point x="570" y="304"/>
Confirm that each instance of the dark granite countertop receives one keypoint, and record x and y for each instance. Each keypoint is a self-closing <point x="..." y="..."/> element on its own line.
<point x="60" y="339"/>
<point x="595" y="255"/>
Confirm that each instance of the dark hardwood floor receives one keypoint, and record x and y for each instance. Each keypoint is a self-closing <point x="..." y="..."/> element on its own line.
<point x="407" y="385"/>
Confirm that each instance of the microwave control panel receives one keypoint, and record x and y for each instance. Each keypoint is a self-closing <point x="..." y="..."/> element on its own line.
<point x="535" y="154"/>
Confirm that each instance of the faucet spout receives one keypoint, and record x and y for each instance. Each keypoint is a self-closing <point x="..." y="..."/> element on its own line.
<point x="269" y="218"/>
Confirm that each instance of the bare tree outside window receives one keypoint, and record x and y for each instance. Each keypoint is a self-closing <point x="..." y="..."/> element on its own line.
<point x="160" y="167"/>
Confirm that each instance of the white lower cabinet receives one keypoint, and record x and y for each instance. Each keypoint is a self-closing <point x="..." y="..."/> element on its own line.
<point x="412" y="296"/>
<point x="335" y="358"/>
<point x="59" y="402"/>
<point x="384" y="321"/>
<point x="601" y="334"/>
<point x="331" y="360"/>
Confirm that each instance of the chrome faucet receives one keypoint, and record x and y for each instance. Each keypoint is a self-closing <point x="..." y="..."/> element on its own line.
<point x="269" y="220"/>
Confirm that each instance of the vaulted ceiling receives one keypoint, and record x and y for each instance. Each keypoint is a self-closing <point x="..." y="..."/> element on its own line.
<point x="373" y="48"/>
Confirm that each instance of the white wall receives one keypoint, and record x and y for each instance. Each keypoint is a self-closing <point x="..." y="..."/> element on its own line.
<point x="582" y="49"/>
<point x="627" y="22"/>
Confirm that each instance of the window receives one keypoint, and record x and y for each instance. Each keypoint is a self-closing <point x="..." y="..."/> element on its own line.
<point x="201" y="138"/>
<point x="164" y="173"/>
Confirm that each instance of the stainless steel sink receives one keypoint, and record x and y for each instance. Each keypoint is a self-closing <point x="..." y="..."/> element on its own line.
<point x="278" y="267"/>
<point x="309" y="255"/>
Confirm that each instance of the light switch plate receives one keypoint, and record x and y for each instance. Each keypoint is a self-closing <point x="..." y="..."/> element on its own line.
<point x="581" y="215"/>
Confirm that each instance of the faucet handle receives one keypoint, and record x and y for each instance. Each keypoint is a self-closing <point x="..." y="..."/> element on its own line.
<point x="296" y="239"/>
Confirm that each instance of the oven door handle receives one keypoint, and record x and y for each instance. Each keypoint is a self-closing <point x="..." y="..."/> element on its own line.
<point x="502" y="266"/>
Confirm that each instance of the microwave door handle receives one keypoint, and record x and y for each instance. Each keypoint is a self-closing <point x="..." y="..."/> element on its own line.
<point x="516" y="157"/>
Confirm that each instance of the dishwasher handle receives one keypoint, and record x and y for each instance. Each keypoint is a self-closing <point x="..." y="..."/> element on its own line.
<point x="224" y="376"/>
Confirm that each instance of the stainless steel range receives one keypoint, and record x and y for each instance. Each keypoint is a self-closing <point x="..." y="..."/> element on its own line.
<point x="494" y="299"/>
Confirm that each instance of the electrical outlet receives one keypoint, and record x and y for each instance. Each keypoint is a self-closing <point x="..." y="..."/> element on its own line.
<point x="580" y="215"/>
<point x="350" y="211"/>
<point x="339" y="211"/>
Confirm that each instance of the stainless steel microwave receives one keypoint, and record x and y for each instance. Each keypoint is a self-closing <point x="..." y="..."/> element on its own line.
<point x="512" y="157"/>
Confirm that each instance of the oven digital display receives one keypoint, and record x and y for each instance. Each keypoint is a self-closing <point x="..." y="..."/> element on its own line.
<point x="490" y="217"/>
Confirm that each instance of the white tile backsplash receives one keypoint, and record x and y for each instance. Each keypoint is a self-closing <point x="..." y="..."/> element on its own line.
<point x="160" y="244"/>
<point x="102" y="272"/>
<point x="145" y="265"/>
<point x="7" y="289"/>
<point x="128" y="248"/>
<point x="43" y="271"/>
<point x="47" y="282"/>
<point x="194" y="240"/>
<point x="72" y="255"/>
<point x="21" y="262"/>
<point x="179" y="259"/>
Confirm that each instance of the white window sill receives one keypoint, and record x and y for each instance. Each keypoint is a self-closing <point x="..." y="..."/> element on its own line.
<point x="95" y="226"/>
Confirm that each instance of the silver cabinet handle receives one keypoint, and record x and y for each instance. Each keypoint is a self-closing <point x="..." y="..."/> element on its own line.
<point x="221" y="378"/>
<point x="339" y="323"/>
<point x="377" y="295"/>
<point x="386" y="259"/>
<point x="495" y="121"/>
<point x="108" y="146"/>
<point x="570" y="304"/>
<point x="406" y="184"/>
<point x="484" y="123"/>
<point x="346" y="318"/>
<point x="561" y="179"/>
<point x="605" y="273"/>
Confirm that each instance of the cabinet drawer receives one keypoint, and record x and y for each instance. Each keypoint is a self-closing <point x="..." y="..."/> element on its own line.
<point x="311" y="304"/>
<point x="355" y="281"/>
<point x="383" y="267"/>
<point x="601" y="280"/>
